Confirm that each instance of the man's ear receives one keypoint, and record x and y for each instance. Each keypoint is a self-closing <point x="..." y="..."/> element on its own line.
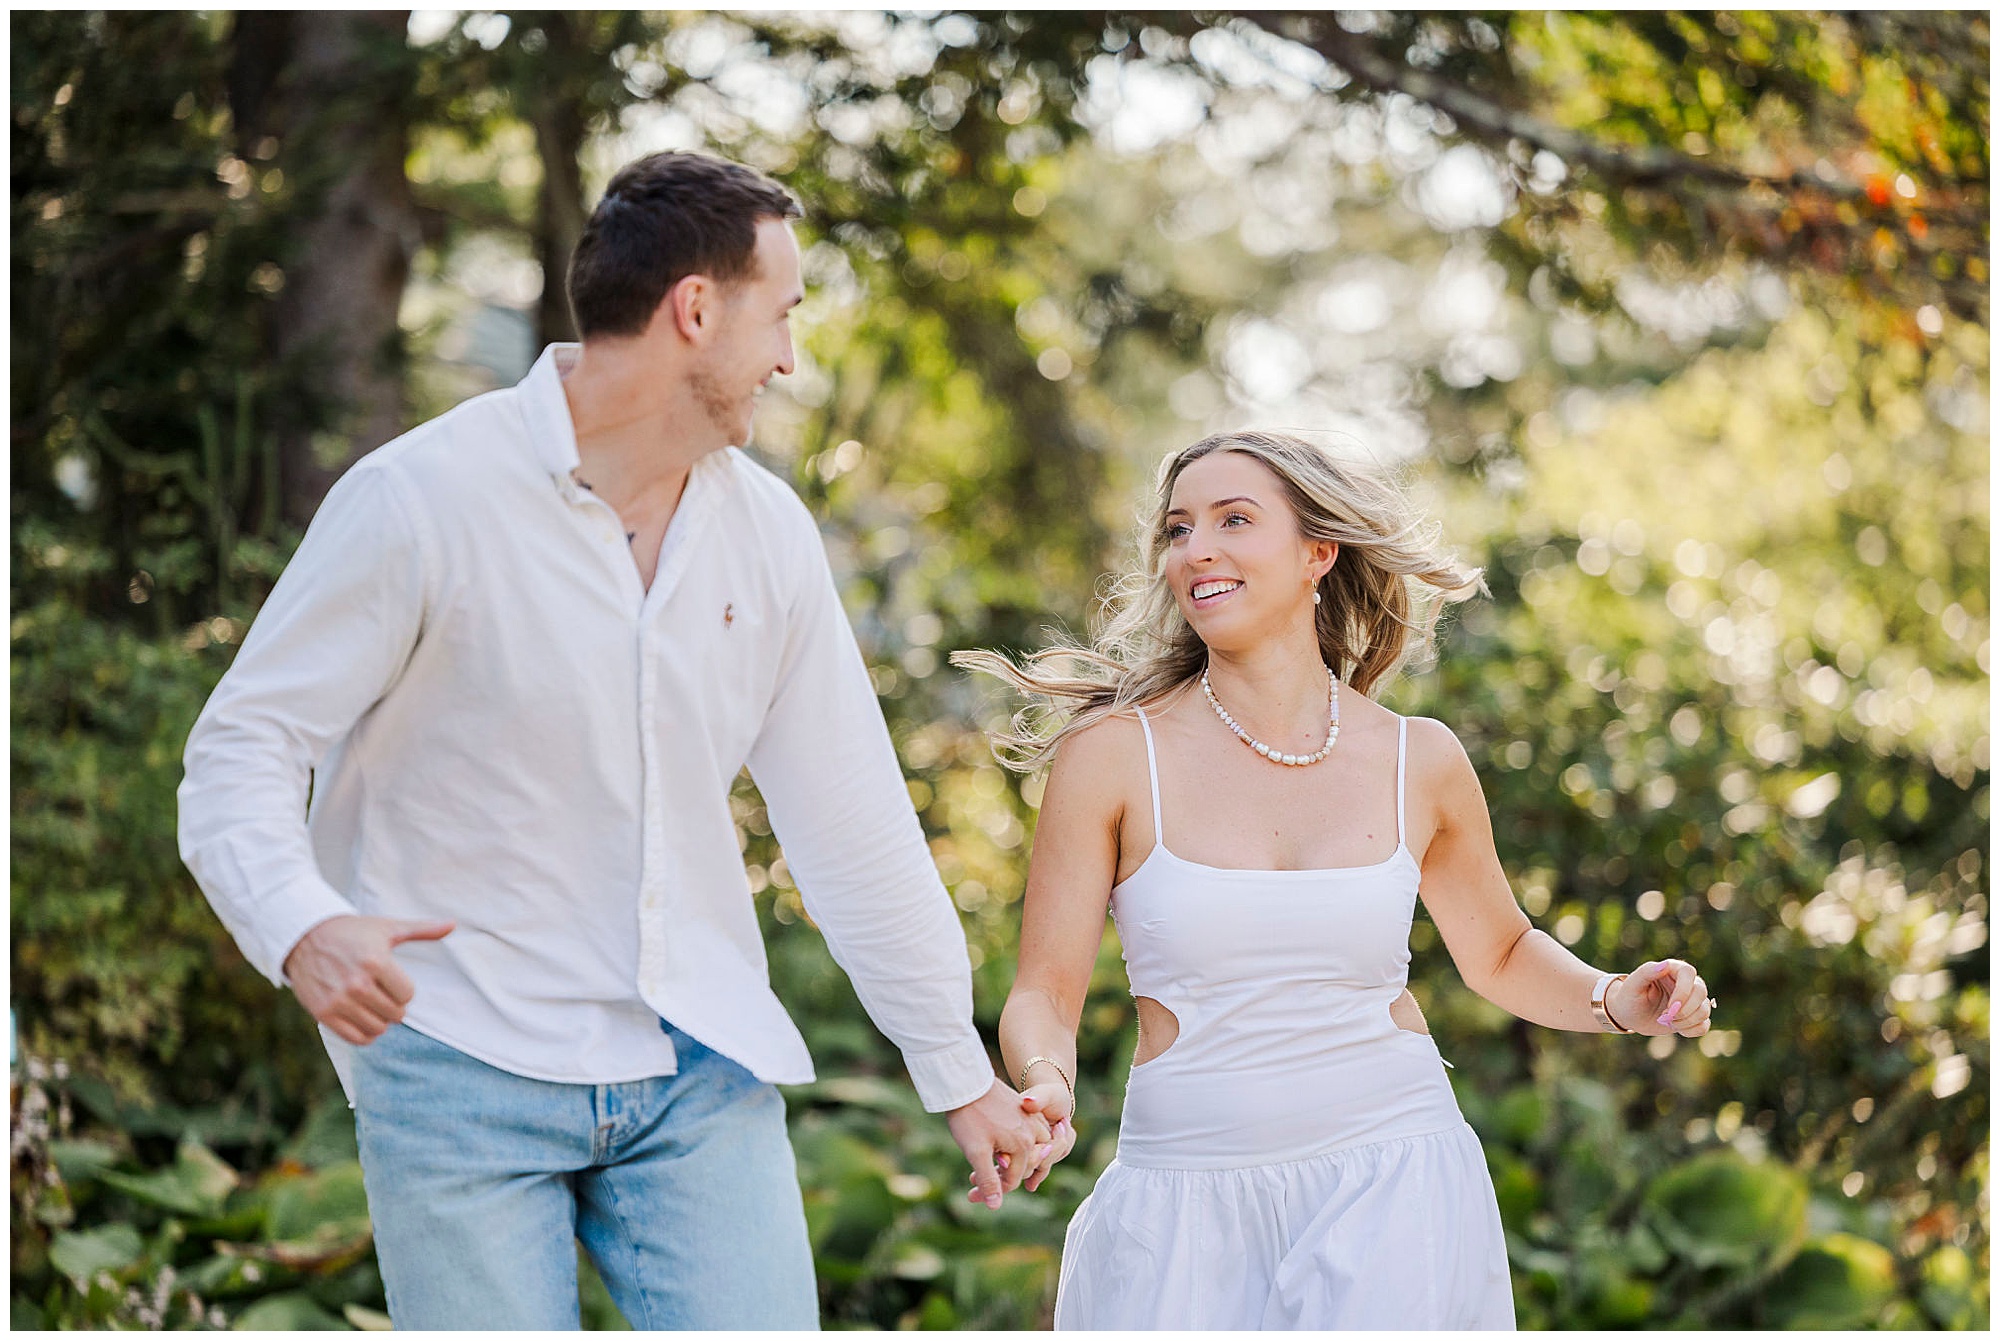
<point x="690" y="307"/>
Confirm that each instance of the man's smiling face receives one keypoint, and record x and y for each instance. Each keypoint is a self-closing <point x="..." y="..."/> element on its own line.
<point x="753" y="337"/>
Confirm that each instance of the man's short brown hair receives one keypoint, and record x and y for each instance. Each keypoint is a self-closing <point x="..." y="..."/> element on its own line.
<point x="664" y="217"/>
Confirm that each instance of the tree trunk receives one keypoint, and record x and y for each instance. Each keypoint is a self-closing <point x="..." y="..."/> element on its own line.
<point x="340" y="108"/>
<point x="559" y="131"/>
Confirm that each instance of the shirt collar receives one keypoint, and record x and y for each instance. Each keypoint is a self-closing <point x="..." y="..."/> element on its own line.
<point x="546" y="409"/>
<point x="553" y="433"/>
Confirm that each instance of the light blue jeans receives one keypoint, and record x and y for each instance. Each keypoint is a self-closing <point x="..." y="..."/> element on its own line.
<point x="682" y="1189"/>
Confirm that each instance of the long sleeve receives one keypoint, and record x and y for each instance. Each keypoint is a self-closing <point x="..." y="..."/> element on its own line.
<point x="334" y="634"/>
<point x="838" y="804"/>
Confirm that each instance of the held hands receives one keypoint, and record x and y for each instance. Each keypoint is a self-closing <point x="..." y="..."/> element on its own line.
<point x="1052" y="1101"/>
<point x="1664" y="996"/>
<point x="1003" y="1137"/>
<point x="345" y="974"/>
<point x="1050" y="1104"/>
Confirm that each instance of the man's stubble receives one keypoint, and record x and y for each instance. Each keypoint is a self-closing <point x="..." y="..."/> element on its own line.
<point x="729" y="416"/>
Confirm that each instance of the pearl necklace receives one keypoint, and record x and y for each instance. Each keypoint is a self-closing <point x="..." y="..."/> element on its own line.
<point x="1276" y="756"/>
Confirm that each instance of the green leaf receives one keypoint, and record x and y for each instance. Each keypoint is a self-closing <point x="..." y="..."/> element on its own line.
<point x="327" y="1138"/>
<point x="856" y="1214"/>
<point x="1838" y="1281"/>
<point x="232" y="1275"/>
<point x="55" y="1207"/>
<point x="241" y="1219"/>
<point x="1721" y="1210"/>
<point x="937" y="1314"/>
<point x="1644" y="1251"/>
<point x="1000" y="1279"/>
<point x="1948" y="1290"/>
<point x="329" y="1204"/>
<point x="311" y="1222"/>
<point x="215" y="1124"/>
<point x="196" y="1184"/>
<point x="80" y="1161"/>
<point x="293" y="1311"/>
<point x="81" y="1255"/>
<point x="1621" y="1301"/>
<point x="1537" y="1261"/>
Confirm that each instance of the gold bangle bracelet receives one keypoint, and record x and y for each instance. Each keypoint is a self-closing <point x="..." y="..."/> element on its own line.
<point x="1600" y="1007"/>
<point x="1029" y="1064"/>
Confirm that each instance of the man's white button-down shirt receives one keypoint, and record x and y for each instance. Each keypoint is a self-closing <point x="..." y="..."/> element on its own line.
<point x="500" y="725"/>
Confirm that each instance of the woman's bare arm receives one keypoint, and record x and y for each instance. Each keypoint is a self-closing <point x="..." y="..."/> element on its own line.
<point x="1499" y="953"/>
<point x="1070" y="874"/>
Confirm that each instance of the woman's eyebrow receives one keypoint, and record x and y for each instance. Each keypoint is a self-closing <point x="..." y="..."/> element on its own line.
<point x="1218" y="503"/>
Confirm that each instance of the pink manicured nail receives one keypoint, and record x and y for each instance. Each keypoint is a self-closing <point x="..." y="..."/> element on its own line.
<point x="993" y="1202"/>
<point x="1673" y="1011"/>
<point x="1042" y="1151"/>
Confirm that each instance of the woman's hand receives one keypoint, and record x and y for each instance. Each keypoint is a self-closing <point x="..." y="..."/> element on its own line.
<point x="1664" y="996"/>
<point x="1051" y="1103"/>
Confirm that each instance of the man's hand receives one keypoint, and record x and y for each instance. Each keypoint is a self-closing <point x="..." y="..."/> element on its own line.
<point x="344" y="973"/>
<point x="1003" y="1141"/>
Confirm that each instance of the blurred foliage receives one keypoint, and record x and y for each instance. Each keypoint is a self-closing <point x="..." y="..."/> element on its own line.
<point x="1851" y="145"/>
<point x="143" y="409"/>
<point x="1679" y="321"/>
<point x="1728" y="703"/>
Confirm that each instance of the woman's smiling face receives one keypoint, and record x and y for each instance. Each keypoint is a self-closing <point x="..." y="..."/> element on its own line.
<point x="1236" y="561"/>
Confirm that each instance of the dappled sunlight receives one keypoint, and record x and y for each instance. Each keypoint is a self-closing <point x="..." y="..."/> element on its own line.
<point x="1679" y="323"/>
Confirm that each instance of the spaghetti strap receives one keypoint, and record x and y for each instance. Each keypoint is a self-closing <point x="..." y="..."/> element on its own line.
<point x="1153" y="773"/>
<point x="1402" y="743"/>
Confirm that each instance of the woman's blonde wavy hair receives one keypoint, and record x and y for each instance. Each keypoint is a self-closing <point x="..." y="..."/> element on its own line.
<point x="1377" y="615"/>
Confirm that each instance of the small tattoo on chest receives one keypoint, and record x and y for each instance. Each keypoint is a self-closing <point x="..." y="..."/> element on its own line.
<point x="631" y="537"/>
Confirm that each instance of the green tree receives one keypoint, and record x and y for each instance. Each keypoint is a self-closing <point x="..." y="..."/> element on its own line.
<point x="1679" y="318"/>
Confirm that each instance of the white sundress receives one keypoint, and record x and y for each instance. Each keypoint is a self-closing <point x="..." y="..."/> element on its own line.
<point x="1294" y="1159"/>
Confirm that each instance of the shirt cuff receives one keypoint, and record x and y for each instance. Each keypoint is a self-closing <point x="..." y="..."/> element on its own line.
<point x="951" y="1077"/>
<point x="288" y="916"/>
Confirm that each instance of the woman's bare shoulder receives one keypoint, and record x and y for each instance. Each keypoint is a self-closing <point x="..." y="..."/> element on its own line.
<point x="1437" y="742"/>
<point x="1439" y="764"/>
<point x="1097" y="755"/>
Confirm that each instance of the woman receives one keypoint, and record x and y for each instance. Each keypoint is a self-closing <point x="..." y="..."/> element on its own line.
<point x="1291" y="1154"/>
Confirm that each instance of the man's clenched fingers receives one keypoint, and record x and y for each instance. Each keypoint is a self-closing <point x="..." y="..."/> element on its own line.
<point x="357" y="1027"/>
<point x="1020" y="1150"/>
<point x="392" y="980"/>
<point x="985" y="1180"/>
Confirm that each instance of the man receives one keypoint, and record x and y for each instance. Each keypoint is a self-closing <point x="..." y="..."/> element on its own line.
<point x="518" y="660"/>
